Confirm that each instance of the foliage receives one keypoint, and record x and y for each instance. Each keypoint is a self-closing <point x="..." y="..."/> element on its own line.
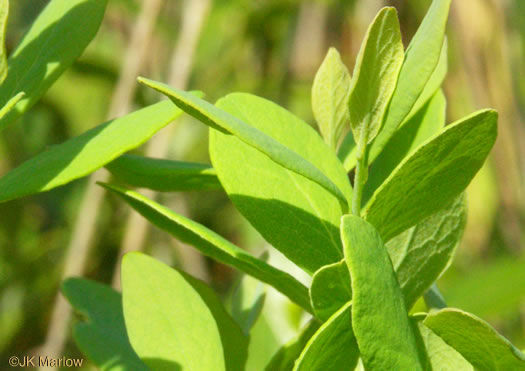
<point x="368" y="267"/>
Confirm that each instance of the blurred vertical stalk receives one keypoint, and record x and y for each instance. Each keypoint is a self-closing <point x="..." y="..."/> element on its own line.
<point x="484" y="49"/>
<point x="84" y="229"/>
<point x="193" y="15"/>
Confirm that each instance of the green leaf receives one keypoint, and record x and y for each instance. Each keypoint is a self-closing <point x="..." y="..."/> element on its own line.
<point x="428" y="122"/>
<point x="330" y="92"/>
<point x="284" y="359"/>
<point x="332" y="347"/>
<point x="175" y="321"/>
<point x="213" y="245"/>
<point x="46" y="52"/>
<point x="379" y="316"/>
<point x="267" y="194"/>
<point x="421" y="254"/>
<point x="433" y="175"/>
<point x="11" y="103"/>
<point x="475" y="340"/>
<point x="247" y="302"/>
<point x="4" y="14"/>
<point x="163" y="175"/>
<point x="86" y="153"/>
<point x="439" y="354"/>
<point x="421" y="58"/>
<point x="101" y="333"/>
<point x="375" y="75"/>
<point x="330" y="289"/>
<point x="228" y="124"/>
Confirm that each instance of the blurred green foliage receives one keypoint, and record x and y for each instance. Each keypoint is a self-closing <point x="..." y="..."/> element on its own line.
<point x="271" y="48"/>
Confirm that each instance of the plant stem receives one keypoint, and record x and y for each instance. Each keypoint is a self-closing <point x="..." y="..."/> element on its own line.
<point x="361" y="172"/>
<point x="433" y="298"/>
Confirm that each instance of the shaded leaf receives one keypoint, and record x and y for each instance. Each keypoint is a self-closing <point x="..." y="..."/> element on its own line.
<point x="86" y="153"/>
<point x="45" y="53"/>
<point x="267" y="193"/>
<point x="375" y="75"/>
<point x="379" y="317"/>
<point x="475" y="340"/>
<point x="332" y="347"/>
<point x="101" y="333"/>
<point x="213" y="245"/>
<point x="182" y="325"/>
<point x="226" y="123"/>
<point x="330" y="289"/>
<point x="433" y="175"/>
<point x="330" y="91"/>
<point x="284" y="359"/>
<point x="163" y="175"/>
<point x="247" y="302"/>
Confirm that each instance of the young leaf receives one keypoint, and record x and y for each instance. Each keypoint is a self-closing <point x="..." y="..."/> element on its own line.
<point x="332" y="347"/>
<point x="330" y="91"/>
<point x="45" y="53"/>
<point x="421" y="254"/>
<point x="433" y="175"/>
<point x="330" y="289"/>
<point x="86" y="153"/>
<point x="375" y="75"/>
<point x="247" y="302"/>
<point x="182" y="324"/>
<point x="475" y="340"/>
<point x="266" y="193"/>
<point x="213" y="245"/>
<point x="4" y="13"/>
<point x="229" y="124"/>
<point x="101" y="333"/>
<point x="439" y="354"/>
<point x="284" y="359"/>
<point x="379" y="317"/>
<point x="422" y="57"/>
<point x="428" y="122"/>
<point x="163" y="175"/>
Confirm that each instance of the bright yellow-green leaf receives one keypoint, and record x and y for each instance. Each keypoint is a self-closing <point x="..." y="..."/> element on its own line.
<point x="375" y="75"/>
<point x="4" y="13"/>
<point x="56" y="38"/>
<point x="330" y="92"/>
<point x="380" y="321"/>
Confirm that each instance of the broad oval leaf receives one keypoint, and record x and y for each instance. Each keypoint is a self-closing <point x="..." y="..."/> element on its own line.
<point x="226" y="123"/>
<point x="4" y="13"/>
<point x="332" y="347"/>
<point x="86" y="153"/>
<point x="422" y="56"/>
<point x="213" y="245"/>
<point x="380" y="320"/>
<point x="375" y="75"/>
<point x="433" y="175"/>
<point x="163" y="175"/>
<point x="475" y="340"/>
<point x="182" y="324"/>
<point x="330" y="91"/>
<point x="267" y="194"/>
<point x="45" y="52"/>
<point x="330" y="289"/>
<point x="101" y="333"/>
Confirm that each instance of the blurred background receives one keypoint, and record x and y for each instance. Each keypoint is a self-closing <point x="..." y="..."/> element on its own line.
<point x="271" y="48"/>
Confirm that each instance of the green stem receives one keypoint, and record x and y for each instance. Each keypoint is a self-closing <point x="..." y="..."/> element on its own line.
<point x="433" y="299"/>
<point x="361" y="172"/>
